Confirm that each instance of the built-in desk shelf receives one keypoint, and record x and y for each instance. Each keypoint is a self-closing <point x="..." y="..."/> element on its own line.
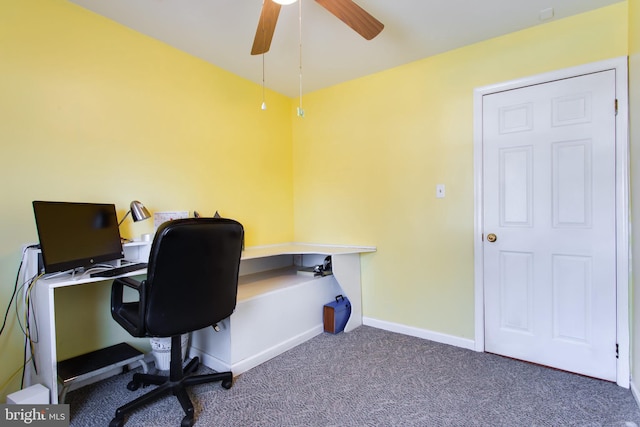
<point x="278" y="308"/>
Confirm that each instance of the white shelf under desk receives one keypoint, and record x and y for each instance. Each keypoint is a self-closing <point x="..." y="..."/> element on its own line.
<point x="259" y="284"/>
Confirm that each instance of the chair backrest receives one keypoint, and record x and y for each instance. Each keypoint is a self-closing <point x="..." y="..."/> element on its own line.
<point x="192" y="276"/>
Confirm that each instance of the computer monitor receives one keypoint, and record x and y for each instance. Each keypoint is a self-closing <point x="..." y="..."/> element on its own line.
<point x="74" y="235"/>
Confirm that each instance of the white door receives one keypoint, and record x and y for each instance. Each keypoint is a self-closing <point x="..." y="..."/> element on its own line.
<point x="549" y="200"/>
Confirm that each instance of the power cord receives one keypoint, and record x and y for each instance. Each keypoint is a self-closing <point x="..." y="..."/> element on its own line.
<point x="29" y="337"/>
<point x="16" y="289"/>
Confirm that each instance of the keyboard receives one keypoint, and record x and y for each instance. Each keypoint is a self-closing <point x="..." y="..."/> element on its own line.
<point x="117" y="271"/>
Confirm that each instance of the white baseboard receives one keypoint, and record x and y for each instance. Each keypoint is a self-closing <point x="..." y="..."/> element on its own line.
<point x="244" y="365"/>
<point x="635" y="392"/>
<point x="251" y="362"/>
<point x="420" y="333"/>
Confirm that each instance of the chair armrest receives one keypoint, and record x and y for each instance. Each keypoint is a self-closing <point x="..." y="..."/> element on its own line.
<point x="130" y="315"/>
<point x="117" y="290"/>
<point x="130" y="283"/>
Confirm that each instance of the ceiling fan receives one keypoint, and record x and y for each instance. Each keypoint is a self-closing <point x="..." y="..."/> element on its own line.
<point x="345" y="10"/>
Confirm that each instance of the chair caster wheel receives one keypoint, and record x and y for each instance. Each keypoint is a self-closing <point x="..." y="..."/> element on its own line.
<point x="116" y="422"/>
<point x="133" y="385"/>
<point x="186" y="422"/>
<point x="226" y="384"/>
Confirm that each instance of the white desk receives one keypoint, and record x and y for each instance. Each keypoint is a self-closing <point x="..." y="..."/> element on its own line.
<point x="43" y="317"/>
<point x="263" y="270"/>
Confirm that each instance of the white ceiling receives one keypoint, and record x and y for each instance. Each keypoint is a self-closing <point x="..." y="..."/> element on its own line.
<point x="222" y="31"/>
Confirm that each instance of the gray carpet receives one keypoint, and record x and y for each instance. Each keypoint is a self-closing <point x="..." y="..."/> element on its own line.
<point x="371" y="377"/>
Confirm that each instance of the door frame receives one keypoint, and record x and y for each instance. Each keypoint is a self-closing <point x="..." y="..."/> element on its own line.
<point x="622" y="198"/>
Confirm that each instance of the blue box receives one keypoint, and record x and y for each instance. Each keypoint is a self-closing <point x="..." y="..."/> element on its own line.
<point x="336" y="314"/>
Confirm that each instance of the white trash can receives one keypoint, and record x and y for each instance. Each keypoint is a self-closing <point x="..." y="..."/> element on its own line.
<point x="161" y="350"/>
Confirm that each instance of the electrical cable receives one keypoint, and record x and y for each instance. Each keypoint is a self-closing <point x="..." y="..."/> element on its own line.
<point x="33" y="338"/>
<point x="6" y="313"/>
<point x="29" y="336"/>
<point x="21" y="290"/>
<point x="15" y="288"/>
<point x="300" y="110"/>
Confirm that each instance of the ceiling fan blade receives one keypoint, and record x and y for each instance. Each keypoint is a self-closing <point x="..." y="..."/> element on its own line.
<point x="266" y="27"/>
<point x="354" y="16"/>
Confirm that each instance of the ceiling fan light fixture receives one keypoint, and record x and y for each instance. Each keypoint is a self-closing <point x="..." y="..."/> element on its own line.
<point x="285" y="2"/>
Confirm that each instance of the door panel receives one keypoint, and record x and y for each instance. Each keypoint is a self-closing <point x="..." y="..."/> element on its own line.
<point x="549" y="197"/>
<point x="572" y="176"/>
<point x="516" y="290"/>
<point x="516" y="187"/>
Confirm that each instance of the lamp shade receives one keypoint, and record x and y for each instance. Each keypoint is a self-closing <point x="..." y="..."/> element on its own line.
<point x="285" y="2"/>
<point x="138" y="211"/>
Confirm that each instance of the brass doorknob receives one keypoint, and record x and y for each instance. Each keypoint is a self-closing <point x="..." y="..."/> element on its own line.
<point x="492" y="237"/>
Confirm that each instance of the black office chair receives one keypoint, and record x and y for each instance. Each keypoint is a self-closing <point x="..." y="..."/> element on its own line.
<point x="192" y="283"/>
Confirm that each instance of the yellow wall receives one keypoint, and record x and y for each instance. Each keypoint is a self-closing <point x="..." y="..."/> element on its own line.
<point x="634" y="116"/>
<point x="389" y="138"/>
<point x="84" y="102"/>
<point x="92" y="111"/>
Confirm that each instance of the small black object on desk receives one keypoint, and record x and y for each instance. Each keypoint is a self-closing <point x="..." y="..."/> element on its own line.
<point x="118" y="271"/>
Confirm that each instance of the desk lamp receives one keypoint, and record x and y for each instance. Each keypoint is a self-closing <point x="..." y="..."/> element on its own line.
<point x="138" y="212"/>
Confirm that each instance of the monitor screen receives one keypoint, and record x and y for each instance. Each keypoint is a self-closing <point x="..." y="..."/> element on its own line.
<point x="76" y="235"/>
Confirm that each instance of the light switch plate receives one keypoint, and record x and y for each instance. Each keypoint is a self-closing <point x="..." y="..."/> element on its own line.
<point x="440" y="191"/>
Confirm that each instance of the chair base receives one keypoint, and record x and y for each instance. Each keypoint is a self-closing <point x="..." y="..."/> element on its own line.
<point x="176" y="383"/>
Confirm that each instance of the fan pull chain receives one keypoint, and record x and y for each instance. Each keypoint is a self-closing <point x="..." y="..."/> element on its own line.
<point x="264" y="104"/>
<point x="300" y="110"/>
